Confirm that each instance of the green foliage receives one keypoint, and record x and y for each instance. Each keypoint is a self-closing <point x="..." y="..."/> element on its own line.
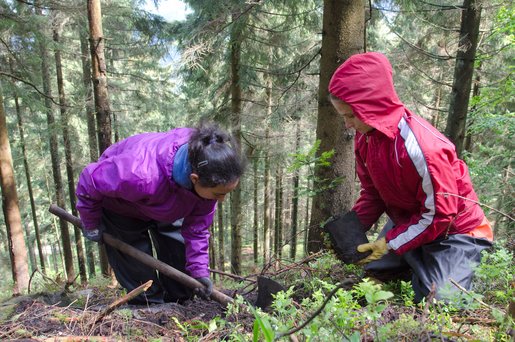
<point x="281" y="42"/>
<point x="505" y="23"/>
<point x="376" y="299"/>
<point x="262" y="327"/>
<point x="404" y="291"/>
<point x="313" y="160"/>
<point x="405" y="328"/>
<point x="348" y="312"/>
<point x="495" y="275"/>
<point x="192" y="329"/>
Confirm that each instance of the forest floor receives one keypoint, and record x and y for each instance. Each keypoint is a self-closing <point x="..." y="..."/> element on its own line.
<point x="80" y="315"/>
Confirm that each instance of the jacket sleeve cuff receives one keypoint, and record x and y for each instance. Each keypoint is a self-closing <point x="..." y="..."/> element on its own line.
<point x="199" y="273"/>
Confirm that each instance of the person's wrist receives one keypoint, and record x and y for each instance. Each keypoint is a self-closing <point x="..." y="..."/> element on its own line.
<point x="93" y="234"/>
<point x="388" y="248"/>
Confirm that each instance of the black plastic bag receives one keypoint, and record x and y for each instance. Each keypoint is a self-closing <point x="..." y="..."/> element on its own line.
<point x="346" y="234"/>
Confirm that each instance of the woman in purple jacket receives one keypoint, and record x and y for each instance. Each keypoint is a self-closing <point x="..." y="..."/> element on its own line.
<point x="165" y="184"/>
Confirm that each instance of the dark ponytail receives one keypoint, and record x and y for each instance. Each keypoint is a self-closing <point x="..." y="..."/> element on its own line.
<point x="215" y="156"/>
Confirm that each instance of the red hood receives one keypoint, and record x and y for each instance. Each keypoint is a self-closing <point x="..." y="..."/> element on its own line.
<point x="364" y="81"/>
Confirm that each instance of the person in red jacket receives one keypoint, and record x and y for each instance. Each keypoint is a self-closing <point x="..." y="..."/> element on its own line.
<point x="411" y="172"/>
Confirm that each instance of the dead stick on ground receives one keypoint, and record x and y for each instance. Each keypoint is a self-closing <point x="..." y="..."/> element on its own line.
<point x="297" y="264"/>
<point x="341" y="285"/>
<point x="124" y="299"/>
<point x="144" y="258"/>
<point x="233" y="276"/>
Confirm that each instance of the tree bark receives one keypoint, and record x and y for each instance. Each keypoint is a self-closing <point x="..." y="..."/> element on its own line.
<point x="295" y="198"/>
<point x="236" y="212"/>
<point x="88" y="96"/>
<point x="256" y="209"/>
<point x="99" y="74"/>
<point x="278" y="231"/>
<point x="102" y="109"/>
<point x="18" y="249"/>
<point x="342" y="36"/>
<point x="92" y="133"/>
<point x="463" y="73"/>
<point x="54" y="156"/>
<point x="28" y="178"/>
<point x="266" y="182"/>
<point x="68" y="152"/>
<point x="306" y="226"/>
<point x="476" y="91"/>
<point x="212" y="248"/>
<point x="221" y="242"/>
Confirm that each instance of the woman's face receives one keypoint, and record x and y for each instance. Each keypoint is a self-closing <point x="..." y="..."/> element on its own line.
<point x="351" y="121"/>
<point x="215" y="193"/>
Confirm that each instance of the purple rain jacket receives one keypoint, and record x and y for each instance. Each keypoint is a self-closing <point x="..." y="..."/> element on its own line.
<point x="134" y="178"/>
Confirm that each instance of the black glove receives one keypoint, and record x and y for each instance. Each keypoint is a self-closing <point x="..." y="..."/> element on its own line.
<point x="204" y="292"/>
<point x="93" y="234"/>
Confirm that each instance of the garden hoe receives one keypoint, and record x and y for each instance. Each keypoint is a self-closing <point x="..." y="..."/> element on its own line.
<point x="269" y="286"/>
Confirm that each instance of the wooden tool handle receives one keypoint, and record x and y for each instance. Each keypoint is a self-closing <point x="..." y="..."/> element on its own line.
<point x="146" y="259"/>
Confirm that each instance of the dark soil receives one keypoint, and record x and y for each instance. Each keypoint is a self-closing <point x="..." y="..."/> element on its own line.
<point x="39" y="317"/>
<point x="80" y="315"/>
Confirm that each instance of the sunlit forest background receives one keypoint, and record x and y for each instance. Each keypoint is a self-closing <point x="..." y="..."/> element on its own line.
<point x="164" y="74"/>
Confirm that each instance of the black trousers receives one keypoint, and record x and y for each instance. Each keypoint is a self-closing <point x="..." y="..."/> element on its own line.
<point x="454" y="257"/>
<point x="131" y="273"/>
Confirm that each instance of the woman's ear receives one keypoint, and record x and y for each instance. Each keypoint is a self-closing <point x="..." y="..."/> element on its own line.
<point x="194" y="178"/>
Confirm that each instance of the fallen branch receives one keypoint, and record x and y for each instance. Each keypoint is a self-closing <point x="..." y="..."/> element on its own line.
<point x="233" y="276"/>
<point x="297" y="264"/>
<point x="264" y="273"/>
<point x="473" y="297"/>
<point x="134" y="293"/>
<point x="30" y="280"/>
<point x="344" y="283"/>
<point x="456" y="334"/>
<point x="474" y="320"/>
<point x="83" y="338"/>
<point x="429" y="299"/>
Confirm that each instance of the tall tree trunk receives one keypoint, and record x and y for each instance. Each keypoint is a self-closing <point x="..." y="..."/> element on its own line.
<point x="266" y="182"/>
<point x="306" y="227"/>
<point x="236" y="212"/>
<point x="90" y="119"/>
<point x="435" y="120"/>
<point x="30" y="249"/>
<point x="99" y="74"/>
<point x="463" y="73"/>
<point x="55" y="254"/>
<point x="103" y="111"/>
<point x="212" y="254"/>
<point x="29" y="245"/>
<point x="29" y="181"/>
<point x="54" y="156"/>
<point x="476" y="91"/>
<point x="278" y="231"/>
<point x="88" y="96"/>
<point x="221" y="243"/>
<point x="18" y="249"/>
<point x="256" y="207"/>
<point x="295" y="198"/>
<point x="342" y="36"/>
<point x="501" y="220"/>
<point x="68" y="151"/>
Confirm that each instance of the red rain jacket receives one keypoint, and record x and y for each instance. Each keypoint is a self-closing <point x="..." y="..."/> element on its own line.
<point x="406" y="167"/>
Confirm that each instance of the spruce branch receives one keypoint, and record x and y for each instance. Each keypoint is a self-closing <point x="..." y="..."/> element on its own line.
<point x="29" y="84"/>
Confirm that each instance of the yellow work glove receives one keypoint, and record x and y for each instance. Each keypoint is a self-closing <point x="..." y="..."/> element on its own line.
<point x="378" y="248"/>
